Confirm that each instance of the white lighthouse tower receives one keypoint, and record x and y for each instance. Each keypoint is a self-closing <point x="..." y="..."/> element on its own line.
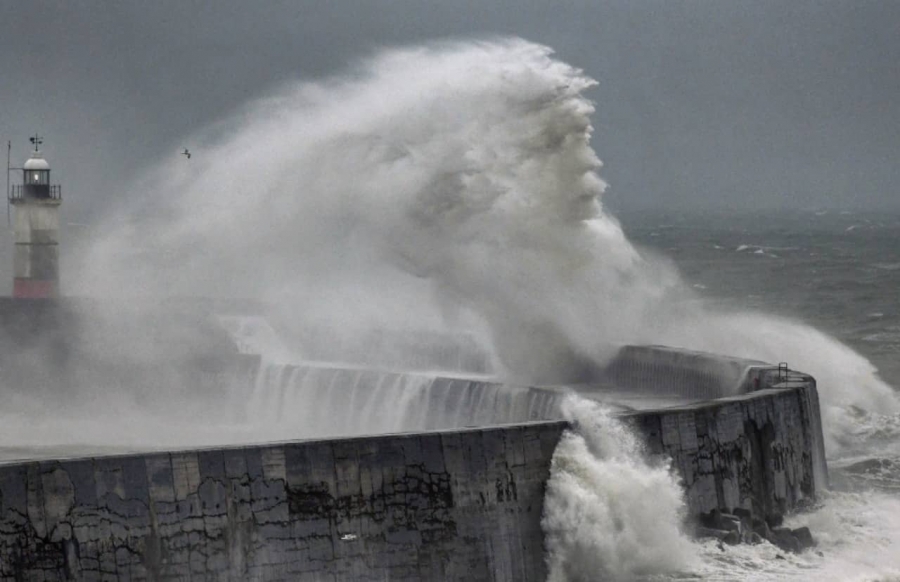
<point x="36" y="228"/>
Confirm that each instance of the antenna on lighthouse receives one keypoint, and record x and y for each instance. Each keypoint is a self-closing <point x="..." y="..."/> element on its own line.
<point x="8" y="153"/>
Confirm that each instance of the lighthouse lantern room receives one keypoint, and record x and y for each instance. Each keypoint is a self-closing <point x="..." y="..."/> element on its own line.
<point x="36" y="229"/>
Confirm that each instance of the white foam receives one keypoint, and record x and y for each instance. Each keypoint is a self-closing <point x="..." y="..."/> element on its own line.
<point x="858" y="537"/>
<point x="610" y="513"/>
<point x="846" y="381"/>
<point x="255" y="335"/>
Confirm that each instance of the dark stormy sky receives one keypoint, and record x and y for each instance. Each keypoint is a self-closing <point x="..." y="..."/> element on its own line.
<point x="713" y="103"/>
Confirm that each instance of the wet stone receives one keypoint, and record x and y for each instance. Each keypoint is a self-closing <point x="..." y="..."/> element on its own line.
<point x="733" y="538"/>
<point x="804" y="537"/>
<point x="785" y="540"/>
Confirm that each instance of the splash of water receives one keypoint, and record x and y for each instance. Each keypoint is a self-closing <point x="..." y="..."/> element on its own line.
<point x="450" y="185"/>
<point x="609" y="513"/>
<point x="303" y="401"/>
<point x="857" y="533"/>
<point x="612" y="514"/>
<point x="437" y="182"/>
<point x="846" y="380"/>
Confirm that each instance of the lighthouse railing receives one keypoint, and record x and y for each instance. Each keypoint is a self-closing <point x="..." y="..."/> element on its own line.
<point x="20" y="192"/>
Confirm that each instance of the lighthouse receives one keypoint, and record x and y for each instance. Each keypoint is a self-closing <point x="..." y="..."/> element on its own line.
<point x="36" y="228"/>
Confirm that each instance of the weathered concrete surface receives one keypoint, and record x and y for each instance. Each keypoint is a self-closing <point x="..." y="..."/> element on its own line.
<point x="761" y="451"/>
<point x="455" y="505"/>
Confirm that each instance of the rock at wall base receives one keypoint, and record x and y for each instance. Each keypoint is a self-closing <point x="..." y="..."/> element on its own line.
<point x="744" y="527"/>
<point x="743" y="513"/>
<point x="733" y="538"/>
<point x="715" y="519"/>
<point x="708" y="532"/>
<point x="784" y="539"/>
<point x="761" y="528"/>
<point x="804" y="537"/>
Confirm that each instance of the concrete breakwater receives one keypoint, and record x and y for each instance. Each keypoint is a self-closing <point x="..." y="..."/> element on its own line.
<point x="457" y="504"/>
<point x="454" y="503"/>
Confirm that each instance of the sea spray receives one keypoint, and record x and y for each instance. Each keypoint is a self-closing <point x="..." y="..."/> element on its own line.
<point x="847" y="382"/>
<point x="450" y="186"/>
<point x="446" y="185"/>
<point x="610" y="512"/>
<point x="857" y="535"/>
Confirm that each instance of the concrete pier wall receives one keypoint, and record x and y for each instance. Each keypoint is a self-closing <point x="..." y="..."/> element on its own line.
<point x="463" y="503"/>
<point x="670" y="371"/>
<point x="451" y="505"/>
<point x="454" y="505"/>
<point x="761" y="451"/>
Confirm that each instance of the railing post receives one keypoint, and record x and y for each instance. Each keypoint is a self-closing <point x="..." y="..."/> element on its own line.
<point x="783" y="371"/>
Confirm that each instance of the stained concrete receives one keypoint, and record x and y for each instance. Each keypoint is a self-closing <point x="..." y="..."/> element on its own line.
<point x="761" y="451"/>
<point x="449" y="505"/>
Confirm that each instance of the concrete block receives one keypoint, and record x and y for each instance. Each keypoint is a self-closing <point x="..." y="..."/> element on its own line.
<point x="160" y="479"/>
<point x="670" y="433"/>
<point x="185" y="474"/>
<point x="211" y="465"/>
<point x="273" y="463"/>
<point x="235" y="464"/>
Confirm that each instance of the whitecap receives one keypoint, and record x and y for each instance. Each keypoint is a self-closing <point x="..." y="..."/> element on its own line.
<point x="858" y="537"/>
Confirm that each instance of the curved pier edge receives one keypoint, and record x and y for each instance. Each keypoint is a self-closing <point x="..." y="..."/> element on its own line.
<point x="453" y="504"/>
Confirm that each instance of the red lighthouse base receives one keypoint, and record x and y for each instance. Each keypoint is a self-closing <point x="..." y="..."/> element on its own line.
<point x="35" y="289"/>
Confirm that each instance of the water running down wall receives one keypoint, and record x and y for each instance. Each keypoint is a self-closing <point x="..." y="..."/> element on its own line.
<point x="311" y="396"/>
<point x="377" y="402"/>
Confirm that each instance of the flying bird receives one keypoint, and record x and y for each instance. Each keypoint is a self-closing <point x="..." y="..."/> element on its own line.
<point x="186" y="153"/>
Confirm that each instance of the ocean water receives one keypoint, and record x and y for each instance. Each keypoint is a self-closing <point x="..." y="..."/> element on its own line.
<point x="838" y="272"/>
